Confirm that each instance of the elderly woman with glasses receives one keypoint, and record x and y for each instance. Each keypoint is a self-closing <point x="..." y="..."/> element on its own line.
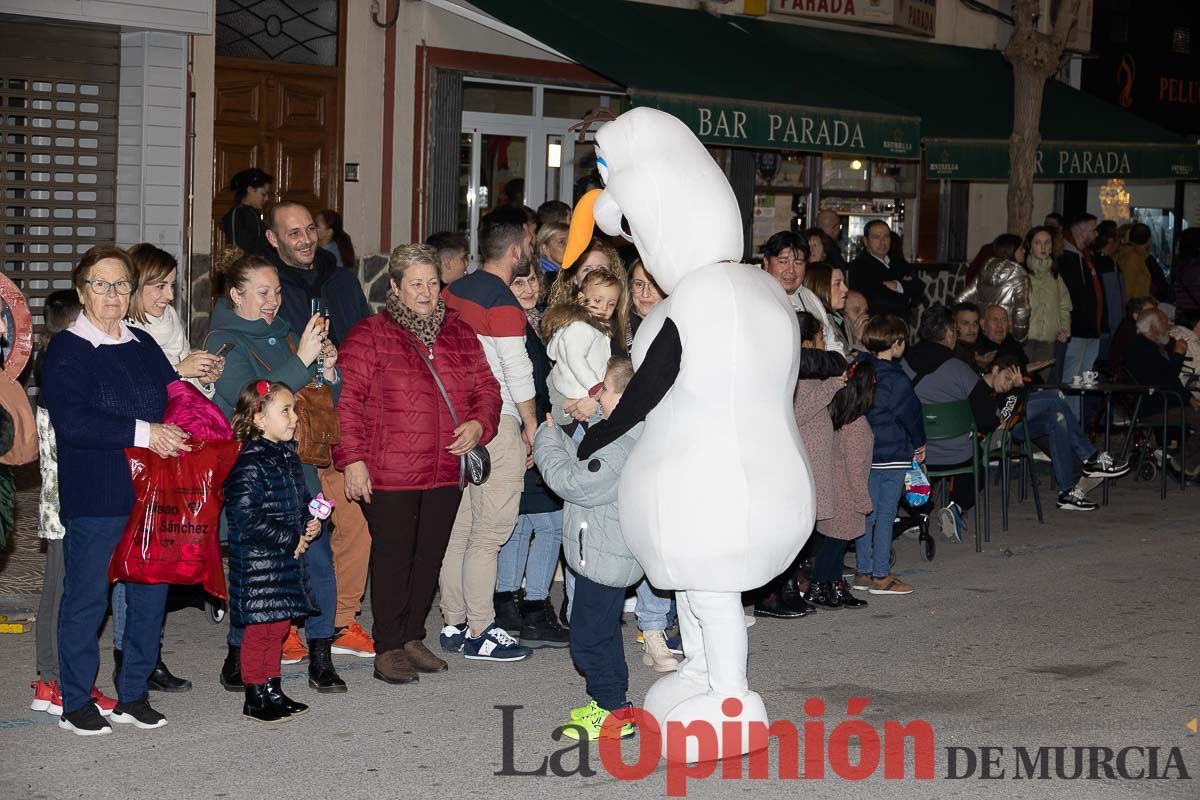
<point x="105" y="386"/>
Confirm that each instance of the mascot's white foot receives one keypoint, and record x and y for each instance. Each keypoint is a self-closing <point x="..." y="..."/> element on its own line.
<point x="714" y="637"/>
<point x="700" y="729"/>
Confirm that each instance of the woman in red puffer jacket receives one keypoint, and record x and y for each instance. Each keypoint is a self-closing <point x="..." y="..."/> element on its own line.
<point x="401" y="448"/>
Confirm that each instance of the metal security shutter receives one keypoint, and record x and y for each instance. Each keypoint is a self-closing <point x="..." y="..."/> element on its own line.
<point x="58" y="150"/>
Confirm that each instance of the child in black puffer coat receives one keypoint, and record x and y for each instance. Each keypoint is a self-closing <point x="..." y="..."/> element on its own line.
<point x="265" y="503"/>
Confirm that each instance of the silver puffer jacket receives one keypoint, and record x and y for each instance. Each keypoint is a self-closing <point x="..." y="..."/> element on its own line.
<point x="1005" y="283"/>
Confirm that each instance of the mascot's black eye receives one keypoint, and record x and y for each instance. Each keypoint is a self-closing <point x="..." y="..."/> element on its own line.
<point x="594" y="465"/>
<point x="625" y="229"/>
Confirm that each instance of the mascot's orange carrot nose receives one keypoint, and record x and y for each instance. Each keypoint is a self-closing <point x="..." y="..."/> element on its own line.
<point x="583" y="224"/>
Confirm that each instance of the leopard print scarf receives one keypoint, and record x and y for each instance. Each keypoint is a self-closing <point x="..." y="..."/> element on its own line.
<point x="425" y="329"/>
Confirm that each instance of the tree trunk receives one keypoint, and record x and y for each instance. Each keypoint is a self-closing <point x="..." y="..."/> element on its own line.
<point x="1035" y="58"/>
<point x="1029" y="85"/>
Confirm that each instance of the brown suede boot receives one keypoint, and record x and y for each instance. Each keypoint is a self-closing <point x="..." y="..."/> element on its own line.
<point x="394" y="667"/>
<point x="423" y="660"/>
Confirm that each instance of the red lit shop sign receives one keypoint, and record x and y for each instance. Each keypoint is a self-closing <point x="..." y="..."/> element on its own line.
<point x="910" y="16"/>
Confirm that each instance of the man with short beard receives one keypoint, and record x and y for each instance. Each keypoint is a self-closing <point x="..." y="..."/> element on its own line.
<point x="488" y="512"/>
<point x="307" y="273"/>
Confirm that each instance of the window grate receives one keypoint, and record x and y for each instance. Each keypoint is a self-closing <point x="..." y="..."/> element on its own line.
<point x="58" y="152"/>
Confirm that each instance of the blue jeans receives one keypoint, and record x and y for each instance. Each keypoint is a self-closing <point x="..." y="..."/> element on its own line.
<point x="1080" y="358"/>
<point x="87" y="549"/>
<point x="536" y="561"/>
<point x="873" y="550"/>
<point x="318" y="566"/>
<point x="655" y="612"/>
<point x="1048" y="414"/>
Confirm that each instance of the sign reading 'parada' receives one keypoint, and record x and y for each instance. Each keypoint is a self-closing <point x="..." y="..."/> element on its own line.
<point x="911" y="16"/>
<point x="772" y="127"/>
<point x="986" y="161"/>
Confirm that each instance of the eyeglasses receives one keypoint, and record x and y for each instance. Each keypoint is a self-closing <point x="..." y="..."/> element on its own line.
<point x="102" y="287"/>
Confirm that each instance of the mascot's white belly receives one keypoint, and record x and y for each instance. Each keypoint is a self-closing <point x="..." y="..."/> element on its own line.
<point x="717" y="494"/>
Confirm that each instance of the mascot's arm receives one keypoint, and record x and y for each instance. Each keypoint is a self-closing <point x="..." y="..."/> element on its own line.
<point x="650" y="384"/>
<point x="819" y="364"/>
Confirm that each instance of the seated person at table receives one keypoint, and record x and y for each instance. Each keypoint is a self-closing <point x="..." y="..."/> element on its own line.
<point x="1155" y="359"/>
<point x="940" y="377"/>
<point x="1126" y="333"/>
<point x="997" y="339"/>
<point x="966" y="327"/>
<point x="1050" y="421"/>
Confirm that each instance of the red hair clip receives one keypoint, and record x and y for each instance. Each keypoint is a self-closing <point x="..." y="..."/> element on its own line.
<point x="262" y="387"/>
<point x="853" y="366"/>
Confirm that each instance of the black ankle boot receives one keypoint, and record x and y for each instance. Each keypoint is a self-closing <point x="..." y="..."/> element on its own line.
<point x="258" y="705"/>
<point x="508" y="613"/>
<point x="842" y="590"/>
<point x="539" y="625"/>
<point x="117" y="657"/>
<point x="321" y="674"/>
<point x="281" y="700"/>
<point x="231" y="670"/>
<point x="823" y="595"/>
<point x="161" y="680"/>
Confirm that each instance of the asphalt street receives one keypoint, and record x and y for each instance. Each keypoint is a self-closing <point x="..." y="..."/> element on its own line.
<point x="1080" y="632"/>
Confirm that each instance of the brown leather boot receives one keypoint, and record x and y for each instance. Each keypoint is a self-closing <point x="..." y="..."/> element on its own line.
<point x="423" y="660"/>
<point x="394" y="667"/>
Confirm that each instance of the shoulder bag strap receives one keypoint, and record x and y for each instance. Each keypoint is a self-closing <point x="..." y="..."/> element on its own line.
<point x="462" y="460"/>
<point x="436" y="379"/>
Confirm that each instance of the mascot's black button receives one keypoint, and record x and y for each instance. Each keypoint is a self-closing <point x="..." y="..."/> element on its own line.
<point x="594" y="465"/>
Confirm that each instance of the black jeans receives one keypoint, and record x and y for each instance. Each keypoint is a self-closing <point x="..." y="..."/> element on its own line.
<point x="596" y="645"/>
<point x="409" y="532"/>
<point x="828" y="559"/>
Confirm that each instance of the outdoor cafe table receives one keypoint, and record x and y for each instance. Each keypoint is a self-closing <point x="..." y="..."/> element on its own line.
<point x="1108" y="390"/>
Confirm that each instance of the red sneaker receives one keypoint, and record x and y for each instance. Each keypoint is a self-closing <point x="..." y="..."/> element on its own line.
<point x="46" y="697"/>
<point x="294" y="650"/>
<point x="103" y="702"/>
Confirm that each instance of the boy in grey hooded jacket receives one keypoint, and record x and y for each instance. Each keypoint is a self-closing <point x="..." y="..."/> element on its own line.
<point x="596" y="551"/>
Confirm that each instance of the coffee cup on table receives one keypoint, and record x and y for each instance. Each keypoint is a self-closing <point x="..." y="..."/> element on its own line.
<point x="1090" y="378"/>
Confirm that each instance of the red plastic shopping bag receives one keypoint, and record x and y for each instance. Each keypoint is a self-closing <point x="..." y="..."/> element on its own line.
<point x="173" y="533"/>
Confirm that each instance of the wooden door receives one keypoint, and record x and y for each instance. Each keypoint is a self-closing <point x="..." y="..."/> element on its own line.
<point x="283" y="119"/>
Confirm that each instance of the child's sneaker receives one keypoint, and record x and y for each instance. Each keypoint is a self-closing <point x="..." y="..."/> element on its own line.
<point x="889" y="584"/>
<point x="103" y="702"/>
<point x="294" y="650"/>
<point x="46" y="697"/>
<point x="494" y="644"/>
<point x="139" y="714"/>
<point x="589" y="726"/>
<point x="452" y="637"/>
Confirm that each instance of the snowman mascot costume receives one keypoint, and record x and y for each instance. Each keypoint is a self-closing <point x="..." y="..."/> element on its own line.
<point x="717" y="497"/>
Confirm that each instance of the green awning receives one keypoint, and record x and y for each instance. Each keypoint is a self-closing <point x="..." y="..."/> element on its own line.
<point x="1061" y="161"/>
<point x="963" y="96"/>
<point x="729" y="78"/>
<point x="753" y="82"/>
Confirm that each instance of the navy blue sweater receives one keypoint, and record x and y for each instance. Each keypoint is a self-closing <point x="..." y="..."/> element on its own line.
<point x="895" y="417"/>
<point x="94" y="396"/>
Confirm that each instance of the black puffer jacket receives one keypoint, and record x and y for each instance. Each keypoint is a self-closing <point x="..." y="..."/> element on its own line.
<point x="266" y="503"/>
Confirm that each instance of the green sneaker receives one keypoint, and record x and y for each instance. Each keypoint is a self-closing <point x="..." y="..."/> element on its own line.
<point x="588" y="726"/>
<point x="579" y="712"/>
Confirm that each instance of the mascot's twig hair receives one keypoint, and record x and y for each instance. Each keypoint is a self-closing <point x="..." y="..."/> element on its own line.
<point x="592" y="117"/>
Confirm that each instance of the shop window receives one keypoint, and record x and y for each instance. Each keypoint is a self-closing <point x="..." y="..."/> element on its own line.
<point x="848" y="174"/>
<point x="497" y="98"/>
<point x="573" y="105"/>
<point x="279" y="30"/>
